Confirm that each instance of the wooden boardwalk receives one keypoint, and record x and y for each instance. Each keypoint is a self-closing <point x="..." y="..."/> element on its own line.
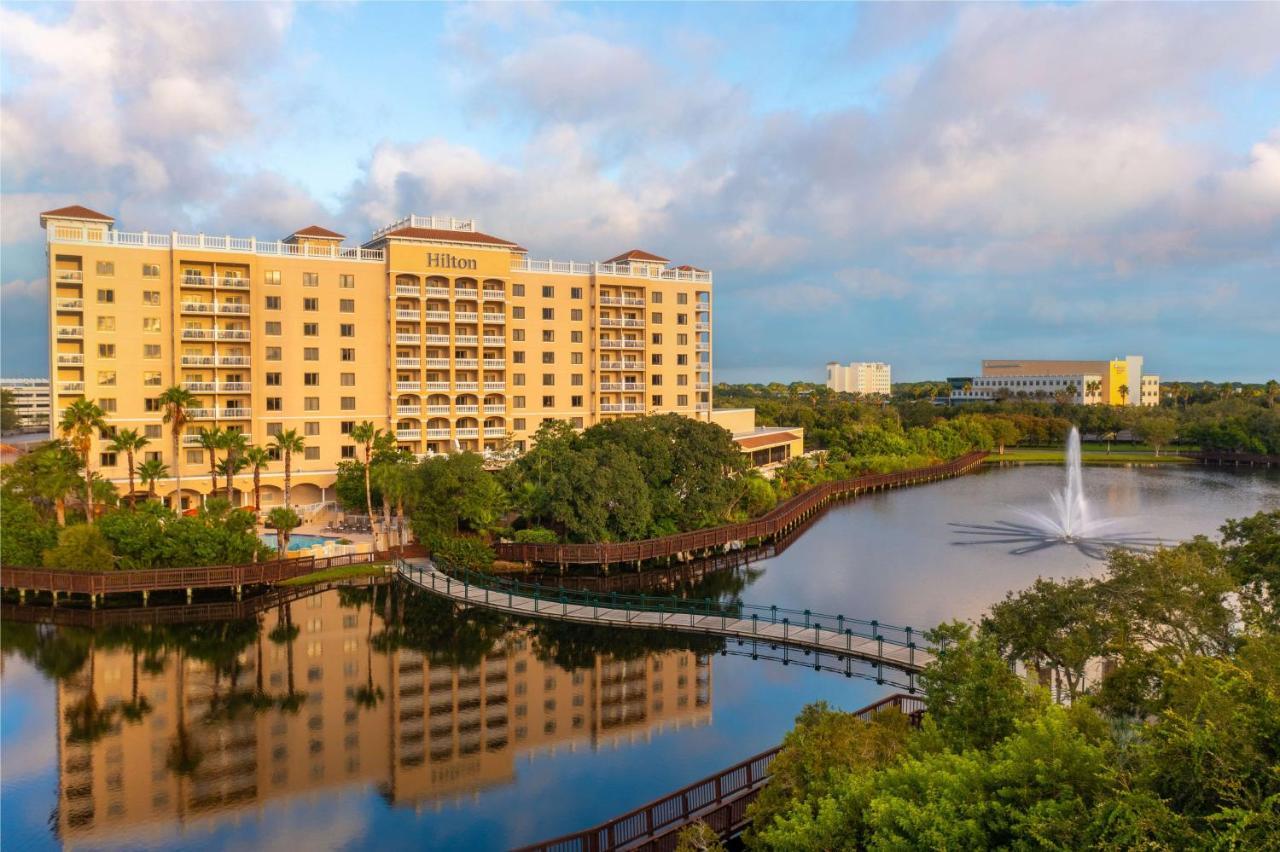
<point x="832" y="637"/>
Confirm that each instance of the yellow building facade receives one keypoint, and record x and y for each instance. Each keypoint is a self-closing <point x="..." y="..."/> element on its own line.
<point x="452" y="338"/>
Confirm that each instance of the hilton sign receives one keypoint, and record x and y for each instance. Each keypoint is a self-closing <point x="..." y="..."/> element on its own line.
<point x="448" y="261"/>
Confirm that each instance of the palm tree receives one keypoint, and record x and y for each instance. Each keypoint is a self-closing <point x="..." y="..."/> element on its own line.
<point x="235" y="443"/>
<point x="175" y="401"/>
<point x="257" y="458"/>
<point x="212" y="439"/>
<point x="150" y="471"/>
<point x="80" y="420"/>
<point x="366" y="433"/>
<point x="1093" y="387"/>
<point x="288" y="443"/>
<point x="1124" y="394"/>
<point x="129" y="441"/>
<point x="58" y="474"/>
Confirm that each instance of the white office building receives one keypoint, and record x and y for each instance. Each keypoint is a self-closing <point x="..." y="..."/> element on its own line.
<point x="32" y="399"/>
<point x="859" y="377"/>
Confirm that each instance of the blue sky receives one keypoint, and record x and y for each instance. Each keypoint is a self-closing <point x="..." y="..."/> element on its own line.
<point x="924" y="184"/>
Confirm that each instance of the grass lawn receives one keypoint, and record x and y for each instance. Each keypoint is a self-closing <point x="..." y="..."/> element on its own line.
<point x="1046" y="455"/>
<point x="346" y="572"/>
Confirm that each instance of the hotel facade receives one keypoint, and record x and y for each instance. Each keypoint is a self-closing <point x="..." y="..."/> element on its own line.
<point x="451" y="338"/>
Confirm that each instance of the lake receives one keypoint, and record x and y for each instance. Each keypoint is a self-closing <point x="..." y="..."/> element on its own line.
<point x="377" y="717"/>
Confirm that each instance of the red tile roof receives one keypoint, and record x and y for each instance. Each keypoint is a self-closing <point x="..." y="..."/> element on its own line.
<point x="445" y="235"/>
<point x="687" y="268"/>
<point x="637" y="254"/>
<point x="75" y="211"/>
<point x="753" y="442"/>
<point x="317" y="231"/>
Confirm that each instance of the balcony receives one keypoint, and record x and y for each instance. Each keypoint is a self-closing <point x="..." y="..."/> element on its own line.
<point x="71" y="331"/>
<point x="495" y="431"/>
<point x="409" y="363"/>
<point x="437" y="409"/>
<point x="703" y="345"/>
<point x="622" y="365"/>
<point x="491" y="340"/>
<point x="220" y="413"/>
<point x="495" y="296"/>
<point x="615" y="322"/>
<point x="438" y="292"/>
<point x="466" y="363"/>
<point x="408" y="290"/>
<point x="495" y="409"/>
<point x="468" y="432"/>
<point x="202" y="281"/>
<point x="703" y="386"/>
<point x="437" y="386"/>
<point x="69" y="359"/>
<point x="466" y="409"/>
<point x="199" y="387"/>
<point x="622" y="387"/>
<point x="438" y="339"/>
<point x="621" y="407"/>
<point x="233" y="282"/>
<point x="702" y="326"/>
<point x="70" y="304"/>
<point x="408" y="316"/>
<point x="466" y="340"/>
<point x="495" y="364"/>
<point x="70" y="387"/>
<point x="622" y="301"/>
<point x="465" y="293"/>
<point x="494" y="319"/>
<point x="466" y="316"/>
<point x="406" y="339"/>
<point x="614" y="343"/>
<point x="438" y="433"/>
<point x="408" y="434"/>
<point x="438" y="363"/>
<point x="466" y="386"/>
<point x="218" y="387"/>
<point x="495" y="386"/>
<point x="215" y="361"/>
<point x="232" y="334"/>
<point x="69" y="275"/>
<point x="703" y="406"/>
<point x="408" y="410"/>
<point x="410" y="387"/>
<point x="437" y="316"/>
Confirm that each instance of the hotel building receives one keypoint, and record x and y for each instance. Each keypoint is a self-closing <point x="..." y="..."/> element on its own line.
<point x="452" y="338"/>
<point x="1116" y="382"/>
<point x="31" y="399"/>
<point x="859" y="377"/>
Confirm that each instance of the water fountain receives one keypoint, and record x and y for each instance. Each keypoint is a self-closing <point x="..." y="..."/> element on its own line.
<point x="1069" y="523"/>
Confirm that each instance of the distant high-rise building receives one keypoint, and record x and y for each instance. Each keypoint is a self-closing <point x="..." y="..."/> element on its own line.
<point x="31" y="398"/>
<point x="859" y="377"/>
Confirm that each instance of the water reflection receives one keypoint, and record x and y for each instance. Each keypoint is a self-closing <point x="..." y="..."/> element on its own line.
<point x="382" y="686"/>
<point x="1030" y="538"/>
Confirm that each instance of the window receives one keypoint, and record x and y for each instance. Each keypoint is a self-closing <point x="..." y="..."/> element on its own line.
<point x="548" y="402"/>
<point x="656" y="297"/>
<point x="311" y="353"/>
<point x="517" y="335"/>
<point x="152" y="430"/>
<point x="575" y="401"/>
<point x="548" y="292"/>
<point x="106" y="297"/>
<point x="311" y="304"/>
<point x="152" y="379"/>
<point x="347" y="354"/>
<point x="517" y="289"/>
<point x="517" y="312"/>
<point x="106" y="323"/>
<point x="106" y="267"/>
<point x="347" y="329"/>
<point x="548" y="336"/>
<point x="274" y="429"/>
<point x="195" y="456"/>
<point x="311" y="453"/>
<point x="575" y="314"/>
<point x="310" y="279"/>
<point x="548" y="313"/>
<point x="519" y="423"/>
<point x="271" y="276"/>
<point x="311" y="403"/>
<point x="657" y="338"/>
<point x="151" y="297"/>
<point x="517" y="379"/>
<point x="346" y="426"/>
<point x="347" y="282"/>
<point x="273" y="328"/>
<point x="575" y="337"/>
<point x="311" y="428"/>
<point x="656" y="317"/>
<point x="347" y="403"/>
<point x="682" y="298"/>
<point x="548" y="379"/>
<point x="682" y="319"/>
<point x="106" y="350"/>
<point x="517" y="357"/>
<point x="311" y="379"/>
<point x="575" y="292"/>
<point x="682" y="360"/>
<point x="275" y="403"/>
<point x="348" y="451"/>
<point x="657" y="399"/>
<point x="347" y="380"/>
<point x="152" y="405"/>
<point x="347" y="306"/>
<point x="150" y="270"/>
<point x="273" y="379"/>
<point x="682" y="340"/>
<point x="576" y="380"/>
<point x="273" y="303"/>
<point x="656" y="360"/>
<point x="548" y="357"/>
<point x="273" y="353"/>
<point x="151" y="324"/>
<point x="517" y="402"/>
<point x="682" y="380"/>
<point x="682" y="399"/>
<point x="311" y="329"/>
<point x="151" y="350"/>
<point x="656" y="380"/>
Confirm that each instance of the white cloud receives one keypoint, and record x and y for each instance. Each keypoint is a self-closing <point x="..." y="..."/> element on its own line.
<point x="26" y="288"/>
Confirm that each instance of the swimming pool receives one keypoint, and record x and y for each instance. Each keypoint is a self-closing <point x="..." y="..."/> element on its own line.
<point x="297" y="541"/>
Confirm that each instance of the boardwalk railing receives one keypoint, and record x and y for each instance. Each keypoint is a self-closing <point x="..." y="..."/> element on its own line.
<point x="720" y="801"/>
<point x="164" y="579"/>
<point x="882" y="645"/>
<point x="1214" y="457"/>
<point x="778" y="520"/>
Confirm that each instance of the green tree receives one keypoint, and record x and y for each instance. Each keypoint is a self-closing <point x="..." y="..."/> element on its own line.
<point x="129" y="442"/>
<point x="1156" y="430"/>
<point x="456" y="493"/>
<point x="1003" y="432"/>
<point x="236" y="445"/>
<point x="81" y="547"/>
<point x="79" y="421"/>
<point x="257" y="458"/>
<point x="973" y="698"/>
<point x="212" y="440"/>
<point x="8" y="410"/>
<point x="57" y="475"/>
<point x="284" y="521"/>
<point x="26" y="535"/>
<point x="150" y="472"/>
<point x="176" y="401"/>
<point x="364" y="434"/>
<point x="287" y="443"/>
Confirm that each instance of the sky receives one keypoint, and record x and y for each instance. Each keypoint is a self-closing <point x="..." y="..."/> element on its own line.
<point x="927" y="185"/>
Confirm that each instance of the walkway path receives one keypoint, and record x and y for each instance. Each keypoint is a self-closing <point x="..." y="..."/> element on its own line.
<point x="810" y="633"/>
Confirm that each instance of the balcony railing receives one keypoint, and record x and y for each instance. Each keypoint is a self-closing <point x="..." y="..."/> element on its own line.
<point x="437" y="386"/>
<point x="495" y="386"/>
<point x="466" y="409"/>
<point x="622" y="386"/>
<point x="622" y="301"/>
<point x="408" y="339"/>
<point x="206" y="242"/>
<point x="218" y="387"/>
<point x="408" y="434"/>
<point x="438" y="292"/>
<point x="437" y="433"/>
<point x="466" y="386"/>
<point x="495" y="431"/>
<point x="614" y="343"/>
<point x="68" y="359"/>
<point x="71" y="331"/>
<point x="219" y="413"/>
<point x="465" y="316"/>
<point x="495" y="409"/>
<point x="232" y="334"/>
<point x="465" y="293"/>
<point x="468" y="432"/>
<point x="495" y="319"/>
<point x="621" y="365"/>
<point x="70" y="304"/>
<point x="215" y="360"/>
<point x="438" y="339"/>
<point x="411" y="290"/>
<point x="492" y="340"/>
<point x="437" y="316"/>
<point x="410" y="387"/>
<point x="408" y="316"/>
<point x="70" y="387"/>
<point x="495" y="296"/>
<point x="466" y="363"/>
<point x="621" y="407"/>
<point x="703" y="326"/>
<point x="438" y="363"/>
<point x="437" y="409"/>
<point x="466" y="339"/>
<point x="69" y="275"/>
<point x="196" y="334"/>
<point x="495" y="364"/>
<point x="409" y="363"/>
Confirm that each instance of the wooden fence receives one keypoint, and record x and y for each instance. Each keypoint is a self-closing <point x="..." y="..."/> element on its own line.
<point x="1251" y="459"/>
<point x="777" y="521"/>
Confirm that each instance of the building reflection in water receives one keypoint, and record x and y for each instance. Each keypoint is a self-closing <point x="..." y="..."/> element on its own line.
<point x="320" y="694"/>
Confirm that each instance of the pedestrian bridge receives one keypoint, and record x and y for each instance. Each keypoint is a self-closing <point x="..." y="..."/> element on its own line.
<point x="880" y="645"/>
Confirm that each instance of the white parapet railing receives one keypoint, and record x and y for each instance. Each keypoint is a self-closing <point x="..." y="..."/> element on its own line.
<point x="627" y="270"/>
<point x="209" y="242"/>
